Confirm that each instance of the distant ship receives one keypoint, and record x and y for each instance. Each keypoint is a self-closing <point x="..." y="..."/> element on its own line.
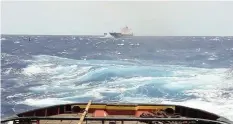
<point x="125" y="32"/>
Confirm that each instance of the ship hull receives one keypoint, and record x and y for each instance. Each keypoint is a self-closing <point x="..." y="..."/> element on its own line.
<point x="120" y="35"/>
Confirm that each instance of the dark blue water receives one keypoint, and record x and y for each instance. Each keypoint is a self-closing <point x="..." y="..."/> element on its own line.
<point x="48" y="70"/>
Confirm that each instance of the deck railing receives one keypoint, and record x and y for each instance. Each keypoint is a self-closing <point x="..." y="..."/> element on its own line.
<point x="101" y="119"/>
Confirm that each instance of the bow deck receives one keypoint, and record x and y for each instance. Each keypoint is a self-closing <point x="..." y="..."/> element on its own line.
<point x="117" y="114"/>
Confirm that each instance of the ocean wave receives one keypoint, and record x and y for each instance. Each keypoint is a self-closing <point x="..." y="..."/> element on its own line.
<point x="2" y="39"/>
<point x="138" y="70"/>
<point x="43" y="102"/>
<point x="69" y="80"/>
<point x="217" y="106"/>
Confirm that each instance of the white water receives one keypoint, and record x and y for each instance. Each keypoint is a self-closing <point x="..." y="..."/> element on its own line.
<point x="123" y="81"/>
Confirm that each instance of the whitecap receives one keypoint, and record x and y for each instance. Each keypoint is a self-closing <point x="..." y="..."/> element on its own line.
<point x="121" y="44"/>
<point x="43" y="102"/>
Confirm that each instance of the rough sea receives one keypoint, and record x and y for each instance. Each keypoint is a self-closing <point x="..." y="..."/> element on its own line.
<point x="48" y="70"/>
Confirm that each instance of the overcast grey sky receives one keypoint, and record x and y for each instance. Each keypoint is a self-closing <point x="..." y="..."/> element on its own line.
<point x="167" y="18"/>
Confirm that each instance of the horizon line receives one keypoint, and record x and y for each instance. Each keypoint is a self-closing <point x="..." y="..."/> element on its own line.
<point x="131" y="36"/>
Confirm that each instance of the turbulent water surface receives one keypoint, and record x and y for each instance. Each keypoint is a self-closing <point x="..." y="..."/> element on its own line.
<point x="48" y="70"/>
